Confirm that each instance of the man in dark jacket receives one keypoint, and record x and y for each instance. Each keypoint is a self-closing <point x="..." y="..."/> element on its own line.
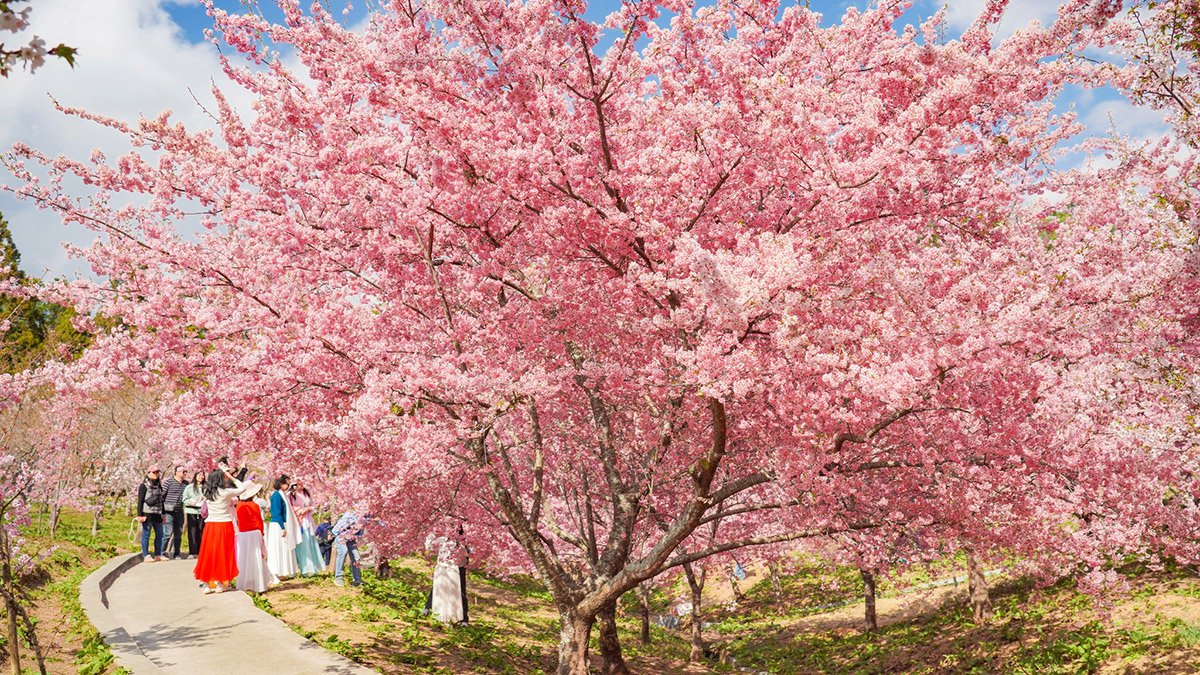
<point x="150" y="509"/>
<point x="173" y="513"/>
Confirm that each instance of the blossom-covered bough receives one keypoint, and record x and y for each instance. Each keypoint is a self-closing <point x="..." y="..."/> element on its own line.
<point x="466" y="263"/>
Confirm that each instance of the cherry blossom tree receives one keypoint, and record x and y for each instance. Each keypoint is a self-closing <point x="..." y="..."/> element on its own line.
<point x="25" y="466"/>
<point x="474" y="263"/>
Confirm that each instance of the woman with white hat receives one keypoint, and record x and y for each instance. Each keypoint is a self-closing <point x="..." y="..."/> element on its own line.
<point x="253" y="574"/>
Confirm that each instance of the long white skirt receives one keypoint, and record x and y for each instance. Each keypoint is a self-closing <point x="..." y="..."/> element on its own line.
<point x="447" y="594"/>
<point x="281" y="553"/>
<point x="253" y="573"/>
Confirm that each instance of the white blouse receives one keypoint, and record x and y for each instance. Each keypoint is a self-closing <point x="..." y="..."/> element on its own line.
<point x="221" y="509"/>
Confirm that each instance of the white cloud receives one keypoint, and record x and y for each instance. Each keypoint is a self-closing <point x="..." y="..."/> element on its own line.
<point x="960" y="14"/>
<point x="133" y="60"/>
<point x="1120" y="115"/>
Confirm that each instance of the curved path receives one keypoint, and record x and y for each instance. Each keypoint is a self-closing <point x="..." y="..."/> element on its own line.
<point x="156" y="620"/>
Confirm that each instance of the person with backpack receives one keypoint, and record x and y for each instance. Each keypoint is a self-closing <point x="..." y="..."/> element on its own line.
<point x="324" y="535"/>
<point x="150" y="499"/>
<point x="346" y="532"/>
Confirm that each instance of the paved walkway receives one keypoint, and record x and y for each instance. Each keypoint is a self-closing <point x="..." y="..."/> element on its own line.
<point x="181" y="630"/>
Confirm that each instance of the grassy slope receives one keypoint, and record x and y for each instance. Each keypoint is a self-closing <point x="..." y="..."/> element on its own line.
<point x="1153" y="629"/>
<point x="70" y="641"/>
<point x="513" y="626"/>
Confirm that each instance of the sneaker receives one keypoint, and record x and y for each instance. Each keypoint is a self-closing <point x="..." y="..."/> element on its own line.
<point x="162" y="558"/>
<point x="338" y="582"/>
<point x="148" y="558"/>
<point x="219" y="589"/>
<point x="208" y="589"/>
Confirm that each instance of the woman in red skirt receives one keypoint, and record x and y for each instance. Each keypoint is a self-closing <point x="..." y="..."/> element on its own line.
<point x="216" y="565"/>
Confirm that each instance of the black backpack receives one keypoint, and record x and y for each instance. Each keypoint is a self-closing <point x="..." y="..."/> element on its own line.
<point x="153" y="502"/>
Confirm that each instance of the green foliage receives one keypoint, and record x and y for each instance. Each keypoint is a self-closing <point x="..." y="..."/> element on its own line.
<point x="1052" y="629"/>
<point x="344" y="647"/>
<point x="813" y="587"/>
<point x="260" y="601"/>
<point x="36" y="329"/>
<point x="94" y="658"/>
<point x="59" y="574"/>
<point x="521" y="584"/>
<point x="1081" y="650"/>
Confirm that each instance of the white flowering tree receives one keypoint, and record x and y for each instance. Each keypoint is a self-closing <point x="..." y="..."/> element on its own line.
<point x="31" y="54"/>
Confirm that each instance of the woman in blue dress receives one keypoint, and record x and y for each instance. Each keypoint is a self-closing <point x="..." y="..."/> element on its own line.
<point x="308" y="550"/>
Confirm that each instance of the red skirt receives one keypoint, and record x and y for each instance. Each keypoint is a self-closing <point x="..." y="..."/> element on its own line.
<point x="218" y="554"/>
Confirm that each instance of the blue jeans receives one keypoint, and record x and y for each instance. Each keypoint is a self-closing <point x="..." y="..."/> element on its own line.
<point x="344" y="550"/>
<point x="157" y="526"/>
<point x="173" y="529"/>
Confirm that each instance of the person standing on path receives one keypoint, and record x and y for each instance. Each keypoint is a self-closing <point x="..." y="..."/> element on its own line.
<point x="193" y="499"/>
<point x="217" y="566"/>
<point x="345" y="545"/>
<point x="308" y="552"/>
<point x="283" y="532"/>
<point x="173" y="513"/>
<point x="253" y="573"/>
<point x="149" y="514"/>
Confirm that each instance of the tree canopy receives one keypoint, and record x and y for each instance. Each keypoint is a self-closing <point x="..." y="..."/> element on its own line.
<point x="803" y="281"/>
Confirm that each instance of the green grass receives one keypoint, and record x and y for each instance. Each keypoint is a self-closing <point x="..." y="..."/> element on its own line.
<point x="1053" y="630"/>
<point x="262" y="602"/>
<point x="59" y="575"/>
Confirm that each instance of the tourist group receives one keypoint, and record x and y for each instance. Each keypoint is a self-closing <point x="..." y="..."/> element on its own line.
<point x="241" y="539"/>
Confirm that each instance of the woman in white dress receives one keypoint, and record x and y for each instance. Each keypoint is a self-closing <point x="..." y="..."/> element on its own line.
<point x="448" y="601"/>
<point x="253" y="573"/>
<point x="283" y="532"/>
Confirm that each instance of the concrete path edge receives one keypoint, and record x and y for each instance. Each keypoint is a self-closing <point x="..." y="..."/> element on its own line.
<point x="93" y="597"/>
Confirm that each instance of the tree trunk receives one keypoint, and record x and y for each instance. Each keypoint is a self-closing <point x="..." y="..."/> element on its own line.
<point x="776" y="580"/>
<point x="573" y="637"/>
<point x="10" y="605"/>
<point x="55" y="515"/>
<point x="383" y="569"/>
<point x="610" y="643"/>
<point x="696" y="584"/>
<point x="96" y="513"/>
<point x="977" y="590"/>
<point x="643" y="597"/>
<point x="872" y="622"/>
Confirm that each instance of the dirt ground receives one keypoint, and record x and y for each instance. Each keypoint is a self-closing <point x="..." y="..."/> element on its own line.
<point x="58" y="628"/>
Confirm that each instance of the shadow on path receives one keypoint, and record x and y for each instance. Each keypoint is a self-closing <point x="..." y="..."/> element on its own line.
<point x="181" y="630"/>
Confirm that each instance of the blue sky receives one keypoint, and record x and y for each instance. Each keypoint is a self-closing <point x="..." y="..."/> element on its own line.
<point x="139" y="57"/>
